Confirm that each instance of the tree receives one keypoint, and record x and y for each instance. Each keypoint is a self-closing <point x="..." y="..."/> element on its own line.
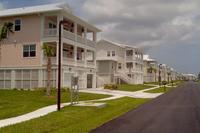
<point x="169" y="73"/>
<point x="155" y="72"/>
<point x="151" y="70"/>
<point x="199" y="76"/>
<point x="4" y="32"/>
<point x="48" y="52"/>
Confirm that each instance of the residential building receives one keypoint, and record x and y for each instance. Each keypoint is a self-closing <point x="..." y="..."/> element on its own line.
<point x="150" y="69"/>
<point x="23" y="64"/>
<point x="190" y="77"/>
<point x="118" y="63"/>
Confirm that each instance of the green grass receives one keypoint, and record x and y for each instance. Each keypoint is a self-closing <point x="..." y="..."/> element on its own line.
<point x="76" y="119"/>
<point x="152" y="83"/>
<point x="160" y="90"/>
<point x="128" y="87"/>
<point x="14" y="102"/>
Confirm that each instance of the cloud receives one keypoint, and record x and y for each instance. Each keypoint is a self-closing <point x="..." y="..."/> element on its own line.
<point x="2" y="6"/>
<point x="146" y="23"/>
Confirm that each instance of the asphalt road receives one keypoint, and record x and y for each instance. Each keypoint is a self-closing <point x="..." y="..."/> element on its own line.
<point x="175" y="112"/>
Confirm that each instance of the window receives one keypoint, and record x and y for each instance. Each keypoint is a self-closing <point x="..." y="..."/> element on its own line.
<point x="108" y="53"/>
<point x="52" y="26"/>
<point x="119" y="65"/>
<point x="113" y="53"/>
<point x="29" y="50"/>
<point x="17" y="25"/>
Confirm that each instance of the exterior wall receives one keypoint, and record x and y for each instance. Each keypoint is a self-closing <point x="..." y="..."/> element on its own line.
<point x="29" y="73"/>
<point x="120" y="58"/>
<point x="29" y="34"/>
<point x="105" y="72"/>
<point x="103" y="47"/>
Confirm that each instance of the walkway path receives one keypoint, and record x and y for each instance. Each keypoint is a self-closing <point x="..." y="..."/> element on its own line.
<point x="44" y="111"/>
<point x="136" y="94"/>
<point x="49" y="109"/>
<point x="175" y="112"/>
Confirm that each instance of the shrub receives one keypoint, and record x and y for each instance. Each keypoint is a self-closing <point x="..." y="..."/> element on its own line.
<point x="110" y="86"/>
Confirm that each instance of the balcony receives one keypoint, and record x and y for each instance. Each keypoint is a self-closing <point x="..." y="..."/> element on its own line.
<point x="91" y="64"/>
<point x="68" y="35"/>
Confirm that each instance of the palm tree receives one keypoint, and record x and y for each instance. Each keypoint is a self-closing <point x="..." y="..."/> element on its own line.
<point x="150" y="70"/>
<point x="155" y="72"/>
<point x="48" y="52"/>
<point x="169" y="73"/>
<point x="4" y="31"/>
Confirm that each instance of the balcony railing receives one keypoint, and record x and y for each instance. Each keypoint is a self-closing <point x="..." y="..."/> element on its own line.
<point x="68" y="61"/>
<point x="80" y="39"/>
<point x="81" y="63"/>
<point x="50" y="32"/>
<point x="68" y="35"/>
<point x="91" y="64"/>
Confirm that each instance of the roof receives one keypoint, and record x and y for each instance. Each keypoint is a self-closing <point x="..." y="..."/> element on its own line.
<point x="34" y="9"/>
<point x="147" y="58"/>
<point x="118" y="44"/>
<point x="43" y="9"/>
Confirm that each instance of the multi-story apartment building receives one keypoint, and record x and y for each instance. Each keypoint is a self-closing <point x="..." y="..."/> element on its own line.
<point x="118" y="63"/>
<point x="150" y="69"/>
<point x="23" y="64"/>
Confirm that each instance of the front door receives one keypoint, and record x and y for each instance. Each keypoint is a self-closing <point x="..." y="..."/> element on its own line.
<point x="89" y="80"/>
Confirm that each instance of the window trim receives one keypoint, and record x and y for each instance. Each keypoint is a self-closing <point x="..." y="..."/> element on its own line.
<point x="29" y="50"/>
<point x="20" y="24"/>
<point x="113" y="53"/>
<point x="108" y="54"/>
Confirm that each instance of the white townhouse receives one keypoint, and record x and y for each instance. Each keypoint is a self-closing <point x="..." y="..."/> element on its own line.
<point x="23" y="64"/>
<point x="150" y="69"/>
<point x="118" y="63"/>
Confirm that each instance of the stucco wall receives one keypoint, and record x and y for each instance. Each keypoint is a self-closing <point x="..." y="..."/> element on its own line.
<point x="12" y="47"/>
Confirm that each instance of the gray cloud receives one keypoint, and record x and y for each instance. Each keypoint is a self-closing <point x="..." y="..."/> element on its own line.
<point x="143" y="22"/>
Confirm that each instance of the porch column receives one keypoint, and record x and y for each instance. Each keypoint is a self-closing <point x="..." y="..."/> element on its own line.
<point x="59" y="18"/>
<point x="75" y="31"/>
<point x="85" y="54"/>
<point x="94" y="36"/>
<point x="85" y="32"/>
<point x="40" y="78"/>
<point x="13" y="79"/>
<point x="75" y="55"/>
<point x="94" y="59"/>
<point x="57" y="50"/>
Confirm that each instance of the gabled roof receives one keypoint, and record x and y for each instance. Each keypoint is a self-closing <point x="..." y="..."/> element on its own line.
<point x="118" y="44"/>
<point x="44" y="9"/>
<point x="34" y="9"/>
<point x="147" y="58"/>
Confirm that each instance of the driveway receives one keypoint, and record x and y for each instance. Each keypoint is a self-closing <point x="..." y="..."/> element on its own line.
<point x="175" y="112"/>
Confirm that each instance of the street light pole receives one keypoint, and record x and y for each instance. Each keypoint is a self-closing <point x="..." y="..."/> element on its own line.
<point x="59" y="64"/>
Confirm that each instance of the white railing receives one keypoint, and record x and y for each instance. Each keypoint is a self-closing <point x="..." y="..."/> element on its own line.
<point x="80" y="39"/>
<point x="91" y="64"/>
<point x="69" y="35"/>
<point x="68" y="61"/>
<point x="80" y="63"/>
<point x="50" y="32"/>
<point x="91" y="43"/>
<point x="129" y="57"/>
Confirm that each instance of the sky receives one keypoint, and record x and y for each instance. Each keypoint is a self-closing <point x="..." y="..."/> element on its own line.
<point x="167" y="30"/>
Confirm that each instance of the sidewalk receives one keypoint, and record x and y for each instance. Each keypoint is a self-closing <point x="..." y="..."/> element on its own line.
<point x="44" y="111"/>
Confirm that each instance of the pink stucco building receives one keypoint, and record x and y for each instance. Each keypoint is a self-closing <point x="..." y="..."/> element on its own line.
<point x="22" y="62"/>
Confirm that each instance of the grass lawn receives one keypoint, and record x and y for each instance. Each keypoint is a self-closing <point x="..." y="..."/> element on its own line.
<point x="128" y="87"/>
<point x="15" y="102"/>
<point x="160" y="90"/>
<point x="152" y="83"/>
<point x="76" y="119"/>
